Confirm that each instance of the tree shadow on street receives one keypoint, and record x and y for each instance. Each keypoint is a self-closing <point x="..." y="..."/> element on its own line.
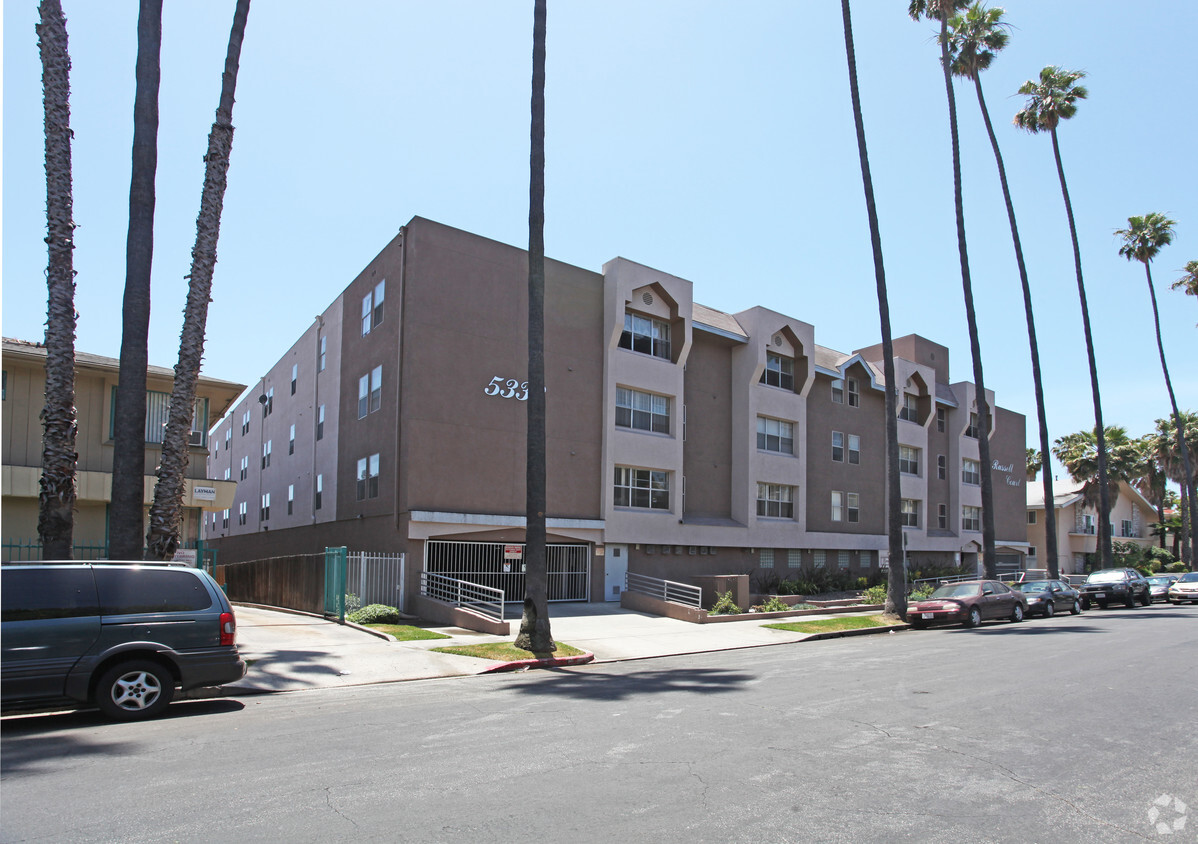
<point x="583" y="684"/>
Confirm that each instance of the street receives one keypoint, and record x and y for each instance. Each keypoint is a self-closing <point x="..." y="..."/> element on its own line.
<point x="1065" y="729"/>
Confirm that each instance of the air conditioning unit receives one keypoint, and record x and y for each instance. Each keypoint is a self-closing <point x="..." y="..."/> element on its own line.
<point x="196" y="438"/>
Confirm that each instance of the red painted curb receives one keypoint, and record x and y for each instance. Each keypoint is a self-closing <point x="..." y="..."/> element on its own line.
<point x="550" y="662"/>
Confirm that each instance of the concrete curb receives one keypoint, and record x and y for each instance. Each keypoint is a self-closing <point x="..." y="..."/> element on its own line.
<point x="860" y="631"/>
<point x="548" y="662"/>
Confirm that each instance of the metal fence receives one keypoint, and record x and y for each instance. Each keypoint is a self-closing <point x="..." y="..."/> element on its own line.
<point x="375" y="578"/>
<point x="500" y="566"/>
<point x="665" y="590"/>
<point x="30" y="551"/>
<point x="482" y="599"/>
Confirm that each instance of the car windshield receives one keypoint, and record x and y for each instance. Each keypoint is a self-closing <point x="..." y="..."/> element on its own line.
<point x="1159" y="581"/>
<point x="955" y="590"/>
<point x="1033" y="586"/>
<point x="1188" y="577"/>
<point x="1105" y="577"/>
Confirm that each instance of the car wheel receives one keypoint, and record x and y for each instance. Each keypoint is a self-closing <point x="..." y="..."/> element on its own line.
<point x="1049" y="610"/>
<point x="974" y="618"/>
<point x="1076" y="608"/>
<point x="1085" y="604"/>
<point x="1146" y="599"/>
<point x="135" y="690"/>
<point x="1017" y="614"/>
<point x="1130" y="600"/>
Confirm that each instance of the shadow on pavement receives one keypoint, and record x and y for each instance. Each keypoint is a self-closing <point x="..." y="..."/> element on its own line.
<point x="585" y="685"/>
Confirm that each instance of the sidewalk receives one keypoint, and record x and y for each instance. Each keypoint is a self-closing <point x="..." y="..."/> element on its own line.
<point x="289" y="652"/>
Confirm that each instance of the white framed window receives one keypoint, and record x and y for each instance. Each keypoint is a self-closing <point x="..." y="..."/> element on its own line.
<point x="1031" y="517"/>
<point x="838" y="446"/>
<point x="245" y="423"/>
<point x="242" y="510"/>
<point x="775" y="435"/>
<point x="775" y="501"/>
<point x="842" y="560"/>
<point x="245" y="467"/>
<point x="290" y="498"/>
<point x="320" y="422"/>
<point x="908" y="460"/>
<point x="646" y="335"/>
<point x="854" y="449"/>
<point x="228" y="436"/>
<point x="819" y="558"/>
<point x="224" y="518"/>
<point x="264" y="513"/>
<point x="376" y="388"/>
<point x="320" y="357"/>
<point x="971" y="471"/>
<point x="363" y="396"/>
<point x="368" y="477"/>
<point x="1126" y="530"/>
<point x="910" y="512"/>
<point x="644" y="488"/>
<point x="910" y="408"/>
<point x="794" y="559"/>
<point x="765" y="558"/>
<point x="779" y="371"/>
<point x="837" y="391"/>
<point x="973" y="429"/>
<point x="226" y="473"/>
<point x="971" y="517"/>
<point x="942" y="516"/>
<point x="640" y="411"/>
<point x="266" y="449"/>
<point x="291" y="440"/>
<point x="853" y="507"/>
<point x="837" y="506"/>
<point x="941" y="467"/>
<point x="294" y="376"/>
<point x="269" y="407"/>
<point x="372" y="308"/>
<point x="854" y="392"/>
<point x="941" y="420"/>
<point x="319" y="492"/>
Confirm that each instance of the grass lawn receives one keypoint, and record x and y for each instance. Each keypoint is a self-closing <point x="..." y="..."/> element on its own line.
<point x="505" y="651"/>
<point x="828" y="625"/>
<point x="406" y="632"/>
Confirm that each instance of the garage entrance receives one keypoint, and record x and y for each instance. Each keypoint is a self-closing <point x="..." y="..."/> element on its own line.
<point x="500" y="565"/>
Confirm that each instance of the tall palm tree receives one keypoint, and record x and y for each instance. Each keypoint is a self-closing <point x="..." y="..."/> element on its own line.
<point x="942" y="10"/>
<point x="1079" y="453"/>
<point x="56" y="499"/>
<point x="1169" y="456"/>
<point x="1188" y="283"/>
<point x="1142" y="240"/>
<point x="166" y="512"/>
<point x="125" y="515"/>
<point x="974" y="39"/>
<point x="1050" y="100"/>
<point x="1153" y="481"/>
<point x="535" y="634"/>
<point x="896" y="584"/>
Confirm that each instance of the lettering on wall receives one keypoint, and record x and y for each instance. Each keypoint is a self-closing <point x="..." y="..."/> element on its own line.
<point x="1010" y="477"/>
<point x="507" y="388"/>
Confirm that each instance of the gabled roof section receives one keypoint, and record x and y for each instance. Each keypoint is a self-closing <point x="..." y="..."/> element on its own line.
<point x="717" y="322"/>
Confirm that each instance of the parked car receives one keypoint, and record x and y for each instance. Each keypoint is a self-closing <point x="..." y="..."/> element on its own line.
<point x="970" y="603"/>
<point x="1074" y="580"/>
<point x="1185" y="588"/>
<point x="121" y="636"/>
<point x="1159" y="585"/>
<point x="1112" y="586"/>
<point x="1045" y="597"/>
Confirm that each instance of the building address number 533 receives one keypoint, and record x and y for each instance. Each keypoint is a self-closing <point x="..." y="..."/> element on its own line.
<point x="508" y="388"/>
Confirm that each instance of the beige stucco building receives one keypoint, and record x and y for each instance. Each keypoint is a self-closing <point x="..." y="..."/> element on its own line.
<point x="24" y="373"/>
<point x="1077" y="524"/>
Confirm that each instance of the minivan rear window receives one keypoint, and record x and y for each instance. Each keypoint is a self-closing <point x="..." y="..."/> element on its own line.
<point x="33" y="594"/>
<point x="149" y="590"/>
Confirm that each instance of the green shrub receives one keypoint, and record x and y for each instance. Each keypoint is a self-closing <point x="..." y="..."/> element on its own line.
<point x="374" y="614"/>
<point x="874" y="595"/>
<point x="862" y="582"/>
<point x="352" y="603"/>
<point x="1177" y="568"/>
<point x="766" y="582"/>
<point x="724" y="605"/>
<point x="921" y="593"/>
<point x="773" y="605"/>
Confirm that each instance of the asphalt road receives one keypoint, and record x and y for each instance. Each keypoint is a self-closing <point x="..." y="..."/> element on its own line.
<point x="1057" y="730"/>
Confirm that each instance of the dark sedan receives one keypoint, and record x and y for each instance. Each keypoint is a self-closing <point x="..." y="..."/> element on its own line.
<point x="969" y="603"/>
<point x="1160" y="584"/>
<point x="1047" y="597"/>
<point x="1116" y="586"/>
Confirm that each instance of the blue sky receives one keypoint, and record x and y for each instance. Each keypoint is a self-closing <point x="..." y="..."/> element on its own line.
<point x="713" y="141"/>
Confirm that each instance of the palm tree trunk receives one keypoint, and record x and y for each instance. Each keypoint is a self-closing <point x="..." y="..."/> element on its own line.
<point x="1188" y="551"/>
<point x="125" y="516"/>
<point x="166" y="512"/>
<point x="56" y="499"/>
<point x="896" y="586"/>
<point x="1050" y="516"/>
<point x="535" y="634"/>
<point x="1105" y="551"/>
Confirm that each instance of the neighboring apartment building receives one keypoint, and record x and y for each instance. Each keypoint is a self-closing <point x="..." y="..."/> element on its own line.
<point x="24" y="373"/>
<point x="681" y="441"/>
<point x="1077" y="524"/>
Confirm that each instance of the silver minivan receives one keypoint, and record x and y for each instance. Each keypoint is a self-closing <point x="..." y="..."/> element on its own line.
<point x="121" y="636"/>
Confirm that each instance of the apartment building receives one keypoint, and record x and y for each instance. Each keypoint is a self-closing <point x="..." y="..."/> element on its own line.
<point x="1077" y="523"/>
<point x="681" y="441"/>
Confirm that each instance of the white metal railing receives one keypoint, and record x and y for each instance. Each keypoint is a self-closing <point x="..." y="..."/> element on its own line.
<point x="664" y="590"/>
<point x="375" y="577"/>
<point x="484" y="600"/>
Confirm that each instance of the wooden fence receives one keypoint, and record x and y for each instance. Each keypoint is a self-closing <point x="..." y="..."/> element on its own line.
<point x="296" y="582"/>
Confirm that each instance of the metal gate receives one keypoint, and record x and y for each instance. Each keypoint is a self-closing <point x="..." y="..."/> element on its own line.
<point x="500" y="565"/>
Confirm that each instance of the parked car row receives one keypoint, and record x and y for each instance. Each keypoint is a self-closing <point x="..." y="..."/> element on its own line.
<point x="974" y="601"/>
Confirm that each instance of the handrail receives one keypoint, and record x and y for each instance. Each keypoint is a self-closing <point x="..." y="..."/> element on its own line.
<point x="485" y="600"/>
<point x="664" y="590"/>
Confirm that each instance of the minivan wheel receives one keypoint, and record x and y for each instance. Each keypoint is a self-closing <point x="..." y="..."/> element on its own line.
<point x="134" y="690"/>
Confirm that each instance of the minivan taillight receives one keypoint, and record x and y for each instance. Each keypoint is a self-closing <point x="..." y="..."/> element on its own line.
<point x="228" y="629"/>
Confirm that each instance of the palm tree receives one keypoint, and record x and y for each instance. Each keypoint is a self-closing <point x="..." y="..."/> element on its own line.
<point x="974" y="39"/>
<point x="125" y="515"/>
<point x="166" y="512"/>
<point x="1188" y="283"/>
<point x="1142" y="240"/>
<point x="1080" y="454"/>
<point x="1035" y="462"/>
<point x="535" y="634"/>
<point x="1051" y="100"/>
<point x="942" y="10"/>
<point x="1169" y="456"/>
<point x="1153" y="481"/>
<point x="56" y="499"/>
<point x="896" y="584"/>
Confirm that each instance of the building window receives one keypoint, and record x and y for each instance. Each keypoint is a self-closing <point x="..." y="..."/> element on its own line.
<point x="775" y="501"/>
<point x="291" y="441"/>
<point x="854" y="393"/>
<point x="266" y="448"/>
<point x="794" y="559"/>
<point x="1031" y="551"/>
<point x="320" y="358"/>
<point x="1031" y="517"/>
<point x="245" y="467"/>
<point x="853" y="506"/>
<point x="642" y="411"/>
<point x="854" y="449"/>
<point x="224" y="518"/>
<point x="242" y="509"/>
<point x="837" y="506"/>
<point x="319" y="491"/>
<point x="264" y="514"/>
<point x="971" y="518"/>
<point x="940" y="419"/>
<point x="766" y="558"/>
<point x="867" y="559"/>
<point x="372" y="308"/>
<point x="837" y="391"/>
<point x="972" y="430"/>
<point x="910" y="512"/>
<point x="971" y="471"/>
<point x="228" y="436"/>
<point x="908" y="460"/>
<point x="1125" y="528"/>
<point x="942" y="516"/>
<point x="941" y="467"/>
<point x="779" y="371"/>
<point x="158" y="411"/>
<point x="368" y="477"/>
<point x="842" y="560"/>
<point x="838" y="446"/>
<point x="290" y="498"/>
<point x="294" y="376"/>
<point x="775" y="435"/>
<point x="376" y="388"/>
<point x="245" y="423"/>
<point x="819" y="558"/>
<point x="320" y="423"/>
<point x="646" y="335"/>
<point x="269" y="407"/>
<point x="910" y="409"/>
<point x="645" y="488"/>
<point x="363" y="396"/>
<point x="226" y="473"/>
